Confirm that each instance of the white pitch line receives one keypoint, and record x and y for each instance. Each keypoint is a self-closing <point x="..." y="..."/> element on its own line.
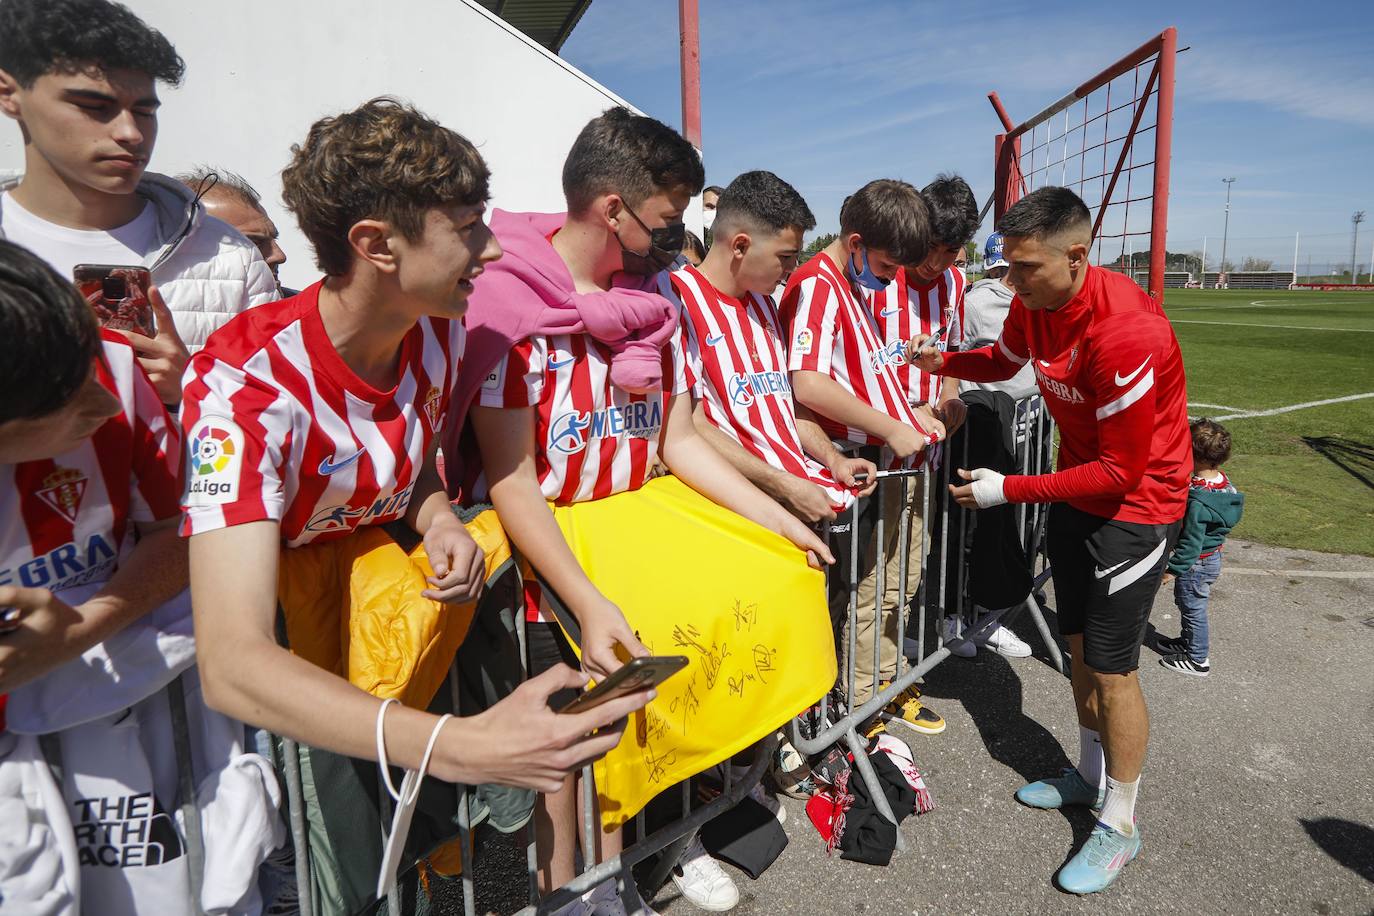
<point x="1216" y="406"/>
<point x="1257" y="303"/>
<point x="1286" y="327"/>
<point x="1291" y="407"/>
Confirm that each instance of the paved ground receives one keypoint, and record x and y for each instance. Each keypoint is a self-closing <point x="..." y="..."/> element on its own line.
<point x="1258" y="794"/>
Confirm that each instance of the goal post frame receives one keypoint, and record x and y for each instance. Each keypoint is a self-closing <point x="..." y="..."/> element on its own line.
<point x="1011" y="185"/>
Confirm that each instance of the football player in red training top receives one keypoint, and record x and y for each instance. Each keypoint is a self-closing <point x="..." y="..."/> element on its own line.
<point x="1111" y="373"/>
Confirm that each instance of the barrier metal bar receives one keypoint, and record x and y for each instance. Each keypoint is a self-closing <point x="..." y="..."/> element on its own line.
<point x="300" y="838"/>
<point x="190" y="805"/>
<point x="1031" y="440"/>
<point x="670" y="840"/>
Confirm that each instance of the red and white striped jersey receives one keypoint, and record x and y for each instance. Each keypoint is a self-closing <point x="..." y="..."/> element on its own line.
<point x="833" y="333"/>
<point x="905" y="310"/>
<point x="738" y="367"/>
<point x="64" y="521"/>
<point x="278" y="427"/>
<point x="592" y="439"/>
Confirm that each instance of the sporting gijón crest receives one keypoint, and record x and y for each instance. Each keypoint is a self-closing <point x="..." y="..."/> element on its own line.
<point x="62" y="491"/>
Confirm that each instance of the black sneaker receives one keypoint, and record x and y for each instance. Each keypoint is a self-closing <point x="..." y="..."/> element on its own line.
<point x="1171" y="645"/>
<point x="1181" y="663"/>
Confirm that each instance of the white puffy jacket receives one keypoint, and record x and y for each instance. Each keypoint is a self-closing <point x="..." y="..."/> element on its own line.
<point x="206" y="271"/>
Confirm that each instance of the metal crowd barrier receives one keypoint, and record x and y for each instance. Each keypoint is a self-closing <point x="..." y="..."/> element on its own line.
<point x="668" y="841"/>
<point x="814" y="732"/>
<point x="835" y="720"/>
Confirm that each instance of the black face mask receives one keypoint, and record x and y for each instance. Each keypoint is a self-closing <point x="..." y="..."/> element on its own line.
<point x="664" y="247"/>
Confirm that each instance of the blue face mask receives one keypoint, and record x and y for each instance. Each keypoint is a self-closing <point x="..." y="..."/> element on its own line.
<point x="866" y="277"/>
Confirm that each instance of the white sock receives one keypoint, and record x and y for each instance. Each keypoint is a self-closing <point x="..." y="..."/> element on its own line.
<point x="1091" y="765"/>
<point x="1118" y="811"/>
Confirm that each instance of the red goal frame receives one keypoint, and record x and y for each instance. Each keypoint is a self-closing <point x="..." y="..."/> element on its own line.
<point x="1103" y="118"/>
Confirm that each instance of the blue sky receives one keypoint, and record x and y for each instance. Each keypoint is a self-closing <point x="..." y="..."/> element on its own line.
<point x="830" y="94"/>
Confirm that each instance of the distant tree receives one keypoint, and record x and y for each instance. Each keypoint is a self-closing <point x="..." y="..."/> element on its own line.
<point x="814" y="246"/>
<point x="1226" y="266"/>
<point x="1257" y="264"/>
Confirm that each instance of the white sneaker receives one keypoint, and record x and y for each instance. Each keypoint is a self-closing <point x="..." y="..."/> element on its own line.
<point x="702" y="881"/>
<point x="769" y="802"/>
<point x="964" y="648"/>
<point x="1006" y="643"/>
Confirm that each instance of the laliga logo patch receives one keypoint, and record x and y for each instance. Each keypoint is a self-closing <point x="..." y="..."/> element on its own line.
<point x="802" y="343"/>
<point x="741" y="390"/>
<point x="216" y="453"/>
<point x="568" y="434"/>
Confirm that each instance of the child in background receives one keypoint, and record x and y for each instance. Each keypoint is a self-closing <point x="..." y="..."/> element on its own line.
<point x="1214" y="508"/>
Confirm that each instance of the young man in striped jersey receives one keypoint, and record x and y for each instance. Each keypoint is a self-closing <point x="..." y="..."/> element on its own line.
<point x="737" y="358"/>
<point x="320" y="415"/>
<point x="1111" y="373"/>
<point x="925" y="299"/>
<point x="95" y="630"/>
<point x="581" y="412"/>
<point x="844" y="374"/>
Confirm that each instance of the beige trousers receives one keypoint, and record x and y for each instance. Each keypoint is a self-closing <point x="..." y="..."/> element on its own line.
<point x="896" y="494"/>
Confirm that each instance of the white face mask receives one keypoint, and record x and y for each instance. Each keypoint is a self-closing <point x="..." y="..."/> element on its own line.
<point x="708" y="217"/>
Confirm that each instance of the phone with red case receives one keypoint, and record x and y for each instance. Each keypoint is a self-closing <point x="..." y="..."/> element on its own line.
<point x="118" y="294"/>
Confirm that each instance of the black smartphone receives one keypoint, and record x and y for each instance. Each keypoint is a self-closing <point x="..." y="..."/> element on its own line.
<point x="118" y="294"/>
<point x="635" y="675"/>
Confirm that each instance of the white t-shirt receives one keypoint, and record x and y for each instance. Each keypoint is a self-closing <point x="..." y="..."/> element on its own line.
<point x="64" y="248"/>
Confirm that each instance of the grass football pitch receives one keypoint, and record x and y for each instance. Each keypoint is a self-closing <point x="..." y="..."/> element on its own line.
<point x="1291" y="375"/>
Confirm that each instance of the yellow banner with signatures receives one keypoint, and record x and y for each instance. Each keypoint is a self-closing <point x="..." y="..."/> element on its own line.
<point x="738" y="600"/>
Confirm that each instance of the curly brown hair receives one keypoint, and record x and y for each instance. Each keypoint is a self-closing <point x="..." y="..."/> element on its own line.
<point x="384" y="160"/>
<point x="1211" y="442"/>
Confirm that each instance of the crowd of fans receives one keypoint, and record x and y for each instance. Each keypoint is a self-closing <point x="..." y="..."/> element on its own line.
<point x="161" y="484"/>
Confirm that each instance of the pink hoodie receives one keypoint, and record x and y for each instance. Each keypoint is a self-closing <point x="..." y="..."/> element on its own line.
<point x="530" y="291"/>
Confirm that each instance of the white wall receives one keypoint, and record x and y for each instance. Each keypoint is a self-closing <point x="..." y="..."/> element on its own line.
<point x="259" y="73"/>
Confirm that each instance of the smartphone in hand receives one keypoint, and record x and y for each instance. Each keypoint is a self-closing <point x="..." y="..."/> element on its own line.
<point x="635" y="675"/>
<point x="118" y="294"/>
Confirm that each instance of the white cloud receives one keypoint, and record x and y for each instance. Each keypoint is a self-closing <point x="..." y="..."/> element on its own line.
<point x="1309" y="77"/>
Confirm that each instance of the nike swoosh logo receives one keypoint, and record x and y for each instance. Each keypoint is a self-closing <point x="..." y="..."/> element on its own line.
<point x="712" y="341"/>
<point x="1104" y="573"/>
<point x="327" y="468"/>
<point x="560" y="363"/>
<point x="892" y="311"/>
<point x="1044" y="363"/>
<point x="1120" y="382"/>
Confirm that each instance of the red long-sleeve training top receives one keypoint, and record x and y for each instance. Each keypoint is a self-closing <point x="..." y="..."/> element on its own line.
<point x="1110" y="370"/>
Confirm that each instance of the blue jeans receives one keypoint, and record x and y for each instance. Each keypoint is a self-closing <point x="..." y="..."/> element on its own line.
<point x="1191" y="593"/>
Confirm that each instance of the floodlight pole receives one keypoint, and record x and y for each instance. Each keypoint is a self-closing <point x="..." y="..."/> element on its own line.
<point x="1355" y="219"/>
<point x="1225" y="231"/>
<point x="1295" y="256"/>
<point x="689" y="30"/>
<point x="1202" y="275"/>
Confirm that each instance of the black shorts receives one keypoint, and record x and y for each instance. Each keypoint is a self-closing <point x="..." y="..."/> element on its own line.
<point x="548" y="646"/>
<point x="1106" y="574"/>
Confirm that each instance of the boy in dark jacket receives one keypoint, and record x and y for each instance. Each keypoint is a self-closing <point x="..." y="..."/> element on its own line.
<point x="1214" y="508"/>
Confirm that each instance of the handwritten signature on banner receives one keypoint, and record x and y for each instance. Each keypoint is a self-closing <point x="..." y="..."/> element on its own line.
<point x="712" y="659"/>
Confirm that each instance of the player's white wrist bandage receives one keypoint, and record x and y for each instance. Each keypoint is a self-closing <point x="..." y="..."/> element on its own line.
<point x="987" y="488"/>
